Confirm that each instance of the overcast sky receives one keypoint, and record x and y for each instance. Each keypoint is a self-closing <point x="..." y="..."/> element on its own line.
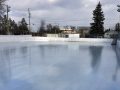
<point x="63" y="12"/>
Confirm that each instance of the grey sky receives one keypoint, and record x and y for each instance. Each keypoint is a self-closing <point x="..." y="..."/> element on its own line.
<point x="63" y="12"/>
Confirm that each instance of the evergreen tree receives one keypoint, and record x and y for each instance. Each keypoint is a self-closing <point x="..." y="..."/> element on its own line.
<point x="49" y="28"/>
<point x="97" y="27"/>
<point x="23" y="27"/>
<point x="55" y="29"/>
<point x="3" y="25"/>
<point x="13" y="27"/>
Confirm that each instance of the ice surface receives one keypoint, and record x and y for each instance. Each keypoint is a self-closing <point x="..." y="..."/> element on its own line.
<point x="59" y="66"/>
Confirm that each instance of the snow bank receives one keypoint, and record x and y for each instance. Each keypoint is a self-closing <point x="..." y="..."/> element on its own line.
<point x="25" y="38"/>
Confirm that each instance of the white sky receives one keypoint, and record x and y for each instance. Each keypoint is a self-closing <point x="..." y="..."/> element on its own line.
<point x="63" y="12"/>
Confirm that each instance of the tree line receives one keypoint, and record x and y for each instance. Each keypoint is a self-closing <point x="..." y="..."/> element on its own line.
<point x="7" y="25"/>
<point x="21" y="28"/>
<point x="51" y="29"/>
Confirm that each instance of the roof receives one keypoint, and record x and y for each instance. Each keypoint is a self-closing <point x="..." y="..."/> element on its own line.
<point x="83" y="27"/>
<point x="111" y="31"/>
<point x="65" y="28"/>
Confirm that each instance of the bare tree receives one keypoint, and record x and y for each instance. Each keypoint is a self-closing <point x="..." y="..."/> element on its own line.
<point x="41" y="29"/>
<point x="2" y="16"/>
<point x="2" y="7"/>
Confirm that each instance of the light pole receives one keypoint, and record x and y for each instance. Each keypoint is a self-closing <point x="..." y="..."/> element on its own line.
<point x="8" y="10"/>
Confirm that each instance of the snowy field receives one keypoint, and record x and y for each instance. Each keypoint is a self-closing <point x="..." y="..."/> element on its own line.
<point x="59" y="66"/>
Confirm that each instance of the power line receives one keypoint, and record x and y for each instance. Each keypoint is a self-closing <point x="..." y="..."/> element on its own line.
<point x="62" y="20"/>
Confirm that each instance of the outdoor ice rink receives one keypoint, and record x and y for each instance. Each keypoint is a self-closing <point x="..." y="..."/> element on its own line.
<point x="59" y="66"/>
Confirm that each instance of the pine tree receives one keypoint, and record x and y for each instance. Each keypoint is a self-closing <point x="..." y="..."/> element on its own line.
<point x="23" y="27"/>
<point x="13" y="27"/>
<point x="97" y="27"/>
<point x="55" y="29"/>
<point x="3" y="25"/>
<point x="49" y="28"/>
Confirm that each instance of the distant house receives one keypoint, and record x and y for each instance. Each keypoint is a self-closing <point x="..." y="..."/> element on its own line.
<point x="84" y="31"/>
<point x="68" y="32"/>
<point x="52" y="35"/>
<point x="110" y="34"/>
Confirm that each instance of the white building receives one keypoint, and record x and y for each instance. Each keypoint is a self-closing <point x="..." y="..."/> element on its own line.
<point x="70" y="35"/>
<point x="52" y="35"/>
<point x="68" y="32"/>
<point x="84" y="31"/>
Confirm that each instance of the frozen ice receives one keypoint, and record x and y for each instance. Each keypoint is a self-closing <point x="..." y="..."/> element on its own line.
<point x="59" y="66"/>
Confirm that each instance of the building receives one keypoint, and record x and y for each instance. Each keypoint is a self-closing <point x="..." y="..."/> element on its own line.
<point x="110" y="34"/>
<point x="65" y="32"/>
<point x="52" y="35"/>
<point x="69" y="35"/>
<point x="69" y="32"/>
<point x="84" y="31"/>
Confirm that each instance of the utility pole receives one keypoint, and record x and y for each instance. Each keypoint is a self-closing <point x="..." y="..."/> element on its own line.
<point x="8" y="24"/>
<point x="29" y="19"/>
